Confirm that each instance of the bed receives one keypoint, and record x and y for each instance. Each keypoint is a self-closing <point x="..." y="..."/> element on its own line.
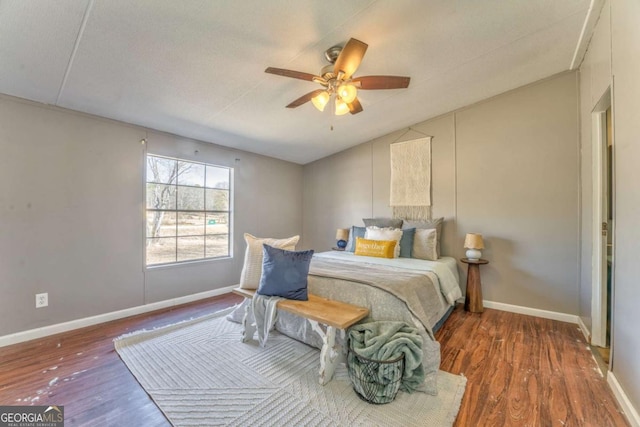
<point x="418" y="292"/>
<point x="438" y="298"/>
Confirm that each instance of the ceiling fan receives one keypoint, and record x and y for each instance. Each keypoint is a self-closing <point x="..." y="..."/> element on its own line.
<point x="338" y="81"/>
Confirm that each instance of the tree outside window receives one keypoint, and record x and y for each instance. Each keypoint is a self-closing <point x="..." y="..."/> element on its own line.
<point x="188" y="211"/>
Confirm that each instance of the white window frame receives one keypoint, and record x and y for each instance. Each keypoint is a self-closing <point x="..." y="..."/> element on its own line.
<point x="176" y="211"/>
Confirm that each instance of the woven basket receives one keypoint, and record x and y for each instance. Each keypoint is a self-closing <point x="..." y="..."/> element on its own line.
<point x="375" y="381"/>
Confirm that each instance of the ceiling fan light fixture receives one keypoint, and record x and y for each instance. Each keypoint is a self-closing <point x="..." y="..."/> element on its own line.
<point x="341" y="107"/>
<point x="338" y="81"/>
<point x="320" y="100"/>
<point x="347" y="92"/>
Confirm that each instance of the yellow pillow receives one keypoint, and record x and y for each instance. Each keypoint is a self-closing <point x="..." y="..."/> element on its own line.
<point x="377" y="248"/>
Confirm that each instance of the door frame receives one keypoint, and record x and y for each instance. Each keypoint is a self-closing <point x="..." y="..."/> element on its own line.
<point x="599" y="254"/>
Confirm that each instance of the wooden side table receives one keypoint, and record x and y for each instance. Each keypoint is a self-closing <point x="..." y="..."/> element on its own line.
<point x="473" y="299"/>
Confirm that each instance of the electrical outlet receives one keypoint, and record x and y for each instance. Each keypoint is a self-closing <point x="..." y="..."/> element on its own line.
<point x="42" y="300"/>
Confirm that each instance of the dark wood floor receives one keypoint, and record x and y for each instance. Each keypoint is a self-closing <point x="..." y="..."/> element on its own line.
<point x="521" y="370"/>
<point x="525" y="371"/>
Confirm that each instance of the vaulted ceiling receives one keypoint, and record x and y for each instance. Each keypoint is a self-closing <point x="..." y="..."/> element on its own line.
<point x="196" y="67"/>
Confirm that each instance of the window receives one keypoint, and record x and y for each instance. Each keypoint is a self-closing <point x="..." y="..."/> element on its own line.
<point x="188" y="211"/>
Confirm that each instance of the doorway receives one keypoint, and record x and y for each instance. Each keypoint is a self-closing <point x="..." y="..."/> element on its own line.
<point x="603" y="225"/>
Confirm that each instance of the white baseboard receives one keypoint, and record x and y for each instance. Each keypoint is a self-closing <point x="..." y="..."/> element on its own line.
<point x="625" y="404"/>
<point x="585" y="331"/>
<point x="554" y="315"/>
<point x="45" y="331"/>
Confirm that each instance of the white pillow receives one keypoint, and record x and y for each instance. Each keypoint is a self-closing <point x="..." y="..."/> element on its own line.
<point x="387" y="233"/>
<point x="425" y="244"/>
<point x="252" y="268"/>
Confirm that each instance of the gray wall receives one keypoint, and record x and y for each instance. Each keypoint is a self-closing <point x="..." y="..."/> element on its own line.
<point x="625" y="61"/>
<point x="506" y="167"/>
<point x="613" y="58"/>
<point x="72" y="214"/>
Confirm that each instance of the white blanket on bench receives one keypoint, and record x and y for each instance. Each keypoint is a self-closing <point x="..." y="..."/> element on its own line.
<point x="265" y="314"/>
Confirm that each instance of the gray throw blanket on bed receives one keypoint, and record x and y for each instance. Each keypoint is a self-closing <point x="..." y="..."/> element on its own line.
<point x="387" y="340"/>
<point x="409" y="286"/>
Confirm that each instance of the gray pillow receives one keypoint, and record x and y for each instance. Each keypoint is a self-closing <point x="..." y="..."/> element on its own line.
<point x="425" y="225"/>
<point x="355" y="232"/>
<point x="284" y="273"/>
<point x="383" y="222"/>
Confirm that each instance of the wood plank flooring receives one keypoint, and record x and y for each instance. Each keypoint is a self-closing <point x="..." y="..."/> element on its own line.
<point x="81" y="370"/>
<point x="525" y="371"/>
<point x="521" y="370"/>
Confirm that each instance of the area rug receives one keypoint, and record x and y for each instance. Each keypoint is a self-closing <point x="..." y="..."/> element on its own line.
<point x="199" y="373"/>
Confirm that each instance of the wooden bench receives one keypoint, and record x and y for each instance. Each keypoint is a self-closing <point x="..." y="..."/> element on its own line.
<point x="317" y="310"/>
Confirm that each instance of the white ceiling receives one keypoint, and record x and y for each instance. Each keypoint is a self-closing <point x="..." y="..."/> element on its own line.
<point x="196" y="68"/>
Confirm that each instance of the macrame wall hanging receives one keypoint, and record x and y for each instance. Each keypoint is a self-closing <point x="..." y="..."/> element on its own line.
<point x="411" y="179"/>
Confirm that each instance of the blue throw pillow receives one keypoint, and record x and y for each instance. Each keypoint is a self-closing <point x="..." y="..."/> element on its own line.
<point x="284" y="273"/>
<point x="355" y="232"/>
<point x="406" y="242"/>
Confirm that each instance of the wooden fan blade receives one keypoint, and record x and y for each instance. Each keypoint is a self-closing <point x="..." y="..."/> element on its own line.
<point x="355" y="107"/>
<point x="381" y="82"/>
<point x="290" y="73"/>
<point x="350" y="57"/>
<point x="304" y="98"/>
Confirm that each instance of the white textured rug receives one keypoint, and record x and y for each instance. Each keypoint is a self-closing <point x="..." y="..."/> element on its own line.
<point x="200" y="374"/>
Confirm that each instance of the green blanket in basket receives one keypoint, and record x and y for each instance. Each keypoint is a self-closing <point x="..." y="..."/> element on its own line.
<point x="387" y="340"/>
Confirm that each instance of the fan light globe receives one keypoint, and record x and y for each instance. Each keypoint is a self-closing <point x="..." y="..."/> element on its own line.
<point x="347" y="92"/>
<point x="341" y="107"/>
<point x="320" y="100"/>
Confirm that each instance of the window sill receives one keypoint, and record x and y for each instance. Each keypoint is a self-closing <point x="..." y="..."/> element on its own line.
<point x="187" y="263"/>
